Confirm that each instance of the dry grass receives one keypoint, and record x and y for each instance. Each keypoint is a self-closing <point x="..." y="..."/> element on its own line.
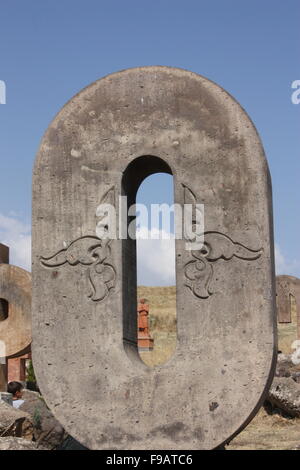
<point x="268" y="432"/>
<point x="164" y="347"/>
<point x="272" y="432"/>
<point x="162" y="301"/>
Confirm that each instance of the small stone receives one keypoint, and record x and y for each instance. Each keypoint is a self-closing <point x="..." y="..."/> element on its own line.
<point x="75" y="153"/>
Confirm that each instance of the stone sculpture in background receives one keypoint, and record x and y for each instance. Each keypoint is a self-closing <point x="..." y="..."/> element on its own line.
<point x="288" y="290"/>
<point x="145" y="342"/>
<point x="288" y="315"/>
<point x="4" y="257"/>
<point x="15" y="319"/>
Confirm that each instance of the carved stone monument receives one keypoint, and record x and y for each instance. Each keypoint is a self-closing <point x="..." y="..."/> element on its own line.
<point x="4" y="258"/>
<point x="15" y="321"/>
<point x="101" y="145"/>
<point x="145" y="342"/>
<point x="15" y="330"/>
<point x="287" y="286"/>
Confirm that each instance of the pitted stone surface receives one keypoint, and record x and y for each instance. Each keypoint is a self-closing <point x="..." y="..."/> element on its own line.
<point x="15" y="330"/>
<point x="102" y="144"/>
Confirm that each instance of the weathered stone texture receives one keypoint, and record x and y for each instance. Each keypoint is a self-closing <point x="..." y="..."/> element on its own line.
<point x="17" y="443"/>
<point x="14" y="422"/>
<point x="102" y="144"/>
<point x="15" y="330"/>
<point x="285" y="395"/>
<point x="47" y="432"/>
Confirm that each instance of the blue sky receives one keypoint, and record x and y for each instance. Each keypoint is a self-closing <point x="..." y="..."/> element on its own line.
<point x="50" y="50"/>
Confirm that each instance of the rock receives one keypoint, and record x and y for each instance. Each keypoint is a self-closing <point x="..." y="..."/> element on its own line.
<point x="296" y="377"/>
<point x="286" y="368"/>
<point x="7" y="397"/>
<point x="285" y="395"/>
<point x="48" y="432"/>
<point x="284" y="365"/>
<point x="16" y="443"/>
<point x="15" y="422"/>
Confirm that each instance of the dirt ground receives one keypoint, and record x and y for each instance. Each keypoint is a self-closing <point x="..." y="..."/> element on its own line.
<point x="268" y="432"/>
<point x="265" y="432"/>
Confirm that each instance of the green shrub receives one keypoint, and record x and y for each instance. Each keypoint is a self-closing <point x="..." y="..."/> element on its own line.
<point x="30" y="375"/>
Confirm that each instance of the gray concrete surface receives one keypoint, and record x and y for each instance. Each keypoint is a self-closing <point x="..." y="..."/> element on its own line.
<point x="103" y="143"/>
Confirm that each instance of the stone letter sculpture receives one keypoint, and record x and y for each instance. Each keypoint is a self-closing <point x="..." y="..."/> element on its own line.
<point x="105" y="141"/>
<point x="15" y="330"/>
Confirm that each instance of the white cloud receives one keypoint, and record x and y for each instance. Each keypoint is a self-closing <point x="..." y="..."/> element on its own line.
<point x="16" y="235"/>
<point x="284" y="265"/>
<point x="280" y="262"/>
<point x="155" y="257"/>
